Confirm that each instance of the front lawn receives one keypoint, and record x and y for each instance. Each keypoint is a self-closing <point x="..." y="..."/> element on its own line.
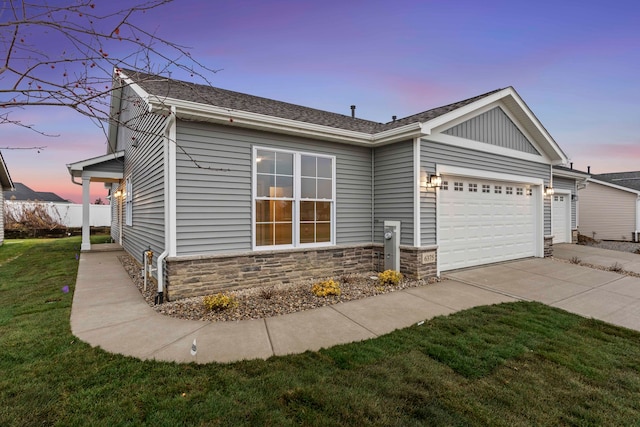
<point x="510" y="364"/>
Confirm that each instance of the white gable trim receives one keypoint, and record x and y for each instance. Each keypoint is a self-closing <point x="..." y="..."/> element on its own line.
<point x="516" y="110"/>
<point x="617" y="187"/>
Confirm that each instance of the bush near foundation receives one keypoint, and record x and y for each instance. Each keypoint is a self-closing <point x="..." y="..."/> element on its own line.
<point x="390" y="277"/>
<point x="326" y="288"/>
<point x="219" y="302"/>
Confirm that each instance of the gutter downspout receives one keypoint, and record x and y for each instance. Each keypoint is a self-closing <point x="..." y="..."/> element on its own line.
<point x="169" y="199"/>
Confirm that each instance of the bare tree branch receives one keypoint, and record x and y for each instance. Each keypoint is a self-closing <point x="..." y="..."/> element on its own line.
<point x="84" y="43"/>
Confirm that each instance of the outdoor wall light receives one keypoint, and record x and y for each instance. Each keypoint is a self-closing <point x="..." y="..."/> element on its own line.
<point x="548" y="191"/>
<point x="118" y="193"/>
<point x="574" y="197"/>
<point x="435" y="181"/>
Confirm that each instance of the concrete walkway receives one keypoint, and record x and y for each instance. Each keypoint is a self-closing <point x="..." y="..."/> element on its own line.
<point x="108" y="310"/>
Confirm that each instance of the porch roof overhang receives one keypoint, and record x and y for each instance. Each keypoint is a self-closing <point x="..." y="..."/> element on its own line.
<point x="106" y="168"/>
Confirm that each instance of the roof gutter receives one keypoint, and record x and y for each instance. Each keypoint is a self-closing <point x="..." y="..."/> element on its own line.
<point x="188" y="110"/>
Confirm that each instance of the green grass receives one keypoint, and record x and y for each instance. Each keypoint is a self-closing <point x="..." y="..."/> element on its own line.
<point x="509" y="364"/>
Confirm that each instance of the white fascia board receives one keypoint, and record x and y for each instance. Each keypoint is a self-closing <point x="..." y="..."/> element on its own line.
<point x="188" y="109"/>
<point x="568" y="174"/>
<point x="135" y="87"/>
<point x="79" y="166"/>
<point x="617" y="187"/>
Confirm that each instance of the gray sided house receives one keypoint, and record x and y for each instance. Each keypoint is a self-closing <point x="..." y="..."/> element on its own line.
<point x="7" y="185"/>
<point x="231" y="190"/>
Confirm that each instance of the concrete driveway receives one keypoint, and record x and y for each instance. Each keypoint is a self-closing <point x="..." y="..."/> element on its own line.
<point x="589" y="292"/>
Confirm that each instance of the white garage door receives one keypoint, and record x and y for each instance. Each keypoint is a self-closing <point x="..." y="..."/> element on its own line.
<point x="561" y="220"/>
<point x="482" y="221"/>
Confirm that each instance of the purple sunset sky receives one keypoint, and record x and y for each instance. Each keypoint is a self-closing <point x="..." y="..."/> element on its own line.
<point x="575" y="64"/>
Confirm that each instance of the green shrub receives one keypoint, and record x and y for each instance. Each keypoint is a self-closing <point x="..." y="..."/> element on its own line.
<point x="220" y="302"/>
<point x="326" y="288"/>
<point x="389" y="277"/>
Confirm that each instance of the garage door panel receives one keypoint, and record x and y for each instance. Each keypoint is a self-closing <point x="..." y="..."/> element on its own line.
<point x="495" y="223"/>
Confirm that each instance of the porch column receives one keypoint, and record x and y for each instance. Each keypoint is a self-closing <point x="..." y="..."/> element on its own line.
<point x="86" y="209"/>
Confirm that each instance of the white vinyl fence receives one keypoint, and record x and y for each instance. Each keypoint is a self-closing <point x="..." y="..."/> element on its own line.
<point x="68" y="214"/>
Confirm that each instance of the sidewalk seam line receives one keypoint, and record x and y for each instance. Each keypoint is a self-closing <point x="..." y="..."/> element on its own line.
<point x="148" y="355"/>
<point x="266" y="327"/>
<point x="351" y="320"/>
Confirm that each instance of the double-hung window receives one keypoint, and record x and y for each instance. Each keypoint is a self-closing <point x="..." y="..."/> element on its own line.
<point x="294" y="198"/>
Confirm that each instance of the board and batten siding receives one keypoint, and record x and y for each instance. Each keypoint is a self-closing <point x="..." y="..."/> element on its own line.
<point x="394" y="185"/>
<point x="436" y="153"/>
<point x="145" y="165"/>
<point x="493" y="127"/>
<point x="607" y="213"/>
<point x="213" y="202"/>
<point x="560" y="183"/>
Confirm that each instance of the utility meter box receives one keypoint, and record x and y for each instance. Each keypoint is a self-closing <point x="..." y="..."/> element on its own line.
<point x="392" y="245"/>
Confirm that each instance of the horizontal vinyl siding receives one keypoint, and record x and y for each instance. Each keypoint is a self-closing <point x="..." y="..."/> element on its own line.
<point x="568" y="184"/>
<point x="493" y="127"/>
<point x="435" y="153"/>
<point x="214" y="201"/>
<point x="145" y="165"/>
<point x="607" y="212"/>
<point x="394" y="185"/>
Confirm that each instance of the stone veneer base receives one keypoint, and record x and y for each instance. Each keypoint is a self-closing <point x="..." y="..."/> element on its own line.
<point x="203" y="275"/>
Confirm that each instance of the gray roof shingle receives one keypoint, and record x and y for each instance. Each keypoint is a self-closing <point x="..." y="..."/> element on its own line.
<point x="623" y="179"/>
<point x="186" y="91"/>
<point x="23" y="193"/>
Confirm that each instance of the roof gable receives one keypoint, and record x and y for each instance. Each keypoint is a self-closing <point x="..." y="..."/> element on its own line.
<point x="493" y="127"/>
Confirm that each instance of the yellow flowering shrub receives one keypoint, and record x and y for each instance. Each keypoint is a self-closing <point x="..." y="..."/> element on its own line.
<point x="389" y="277"/>
<point x="326" y="288"/>
<point x="219" y="302"/>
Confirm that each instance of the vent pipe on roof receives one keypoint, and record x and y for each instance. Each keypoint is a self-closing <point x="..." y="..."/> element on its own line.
<point x="353" y="111"/>
<point x="588" y="169"/>
<point x="571" y="165"/>
<point x="394" y="118"/>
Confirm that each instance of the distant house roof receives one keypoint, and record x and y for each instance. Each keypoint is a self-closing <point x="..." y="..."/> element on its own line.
<point x="177" y="89"/>
<point x="5" y="178"/>
<point x="623" y="179"/>
<point x="24" y="193"/>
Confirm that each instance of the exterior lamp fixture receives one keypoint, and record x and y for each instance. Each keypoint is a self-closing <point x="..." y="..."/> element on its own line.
<point x="118" y="193"/>
<point x="574" y="197"/>
<point x="435" y="181"/>
<point x="548" y="191"/>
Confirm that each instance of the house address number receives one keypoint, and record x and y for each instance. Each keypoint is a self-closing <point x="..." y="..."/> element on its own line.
<point x="428" y="257"/>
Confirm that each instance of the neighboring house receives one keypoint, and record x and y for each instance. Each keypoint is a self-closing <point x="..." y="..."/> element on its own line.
<point x="610" y="207"/>
<point x="7" y="186"/>
<point x="231" y="190"/>
<point x="564" y="203"/>
<point x="22" y="193"/>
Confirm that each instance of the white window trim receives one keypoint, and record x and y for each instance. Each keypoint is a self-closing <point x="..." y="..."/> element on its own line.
<point x="128" y="201"/>
<point x="296" y="199"/>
